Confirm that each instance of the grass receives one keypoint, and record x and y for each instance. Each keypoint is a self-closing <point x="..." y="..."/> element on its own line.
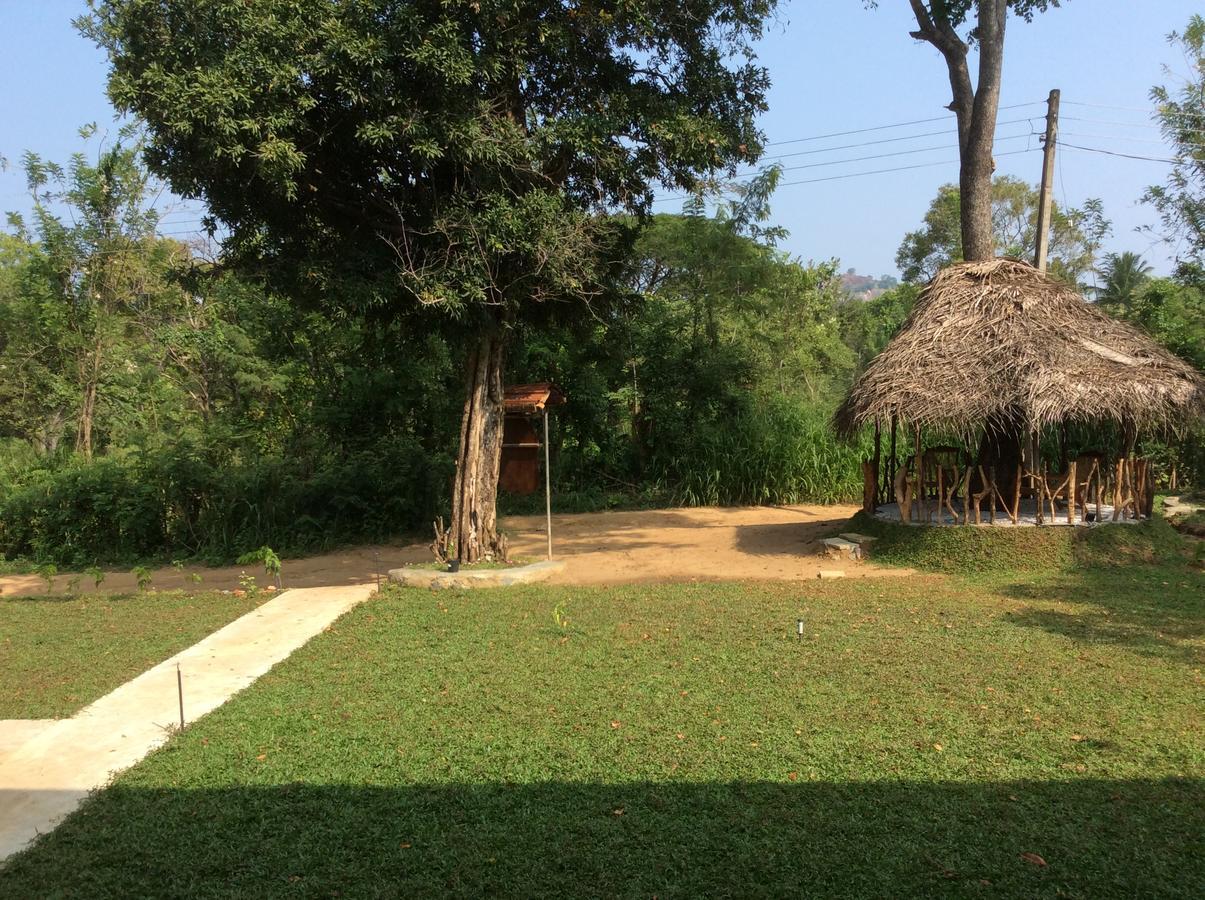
<point x="58" y="654"/>
<point x="680" y="741"/>
<point x="967" y="549"/>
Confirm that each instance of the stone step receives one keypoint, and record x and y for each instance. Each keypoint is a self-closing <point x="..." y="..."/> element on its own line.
<point x="840" y="548"/>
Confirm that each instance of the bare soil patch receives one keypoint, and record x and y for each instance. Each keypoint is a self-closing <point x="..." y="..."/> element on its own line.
<point x="695" y="544"/>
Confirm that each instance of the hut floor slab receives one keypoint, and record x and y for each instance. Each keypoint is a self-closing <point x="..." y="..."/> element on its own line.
<point x="1028" y="517"/>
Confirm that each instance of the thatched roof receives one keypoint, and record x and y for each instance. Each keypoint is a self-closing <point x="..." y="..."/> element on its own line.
<point x="990" y="340"/>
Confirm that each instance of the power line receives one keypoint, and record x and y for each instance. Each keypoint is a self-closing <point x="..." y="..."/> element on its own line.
<point x="908" y="137"/>
<point x="944" y="162"/>
<point x="1107" y="122"/>
<point x="852" y="159"/>
<point x="945" y="118"/>
<point x="1141" y="109"/>
<point x="1162" y="159"/>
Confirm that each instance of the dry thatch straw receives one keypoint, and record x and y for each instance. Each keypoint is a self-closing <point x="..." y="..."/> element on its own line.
<point x="998" y="341"/>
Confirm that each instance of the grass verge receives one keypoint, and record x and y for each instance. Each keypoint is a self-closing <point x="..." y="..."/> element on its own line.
<point x="58" y="654"/>
<point x="928" y="736"/>
<point x="968" y="549"/>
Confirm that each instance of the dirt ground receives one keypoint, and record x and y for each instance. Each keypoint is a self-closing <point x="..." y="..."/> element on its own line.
<point x="703" y="544"/>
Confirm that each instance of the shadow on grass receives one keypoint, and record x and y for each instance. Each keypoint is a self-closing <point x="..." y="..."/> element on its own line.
<point x="1154" y="611"/>
<point x="1098" y="838"/>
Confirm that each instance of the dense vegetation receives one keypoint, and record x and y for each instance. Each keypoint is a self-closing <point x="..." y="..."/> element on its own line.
<point x="156" y="405"/>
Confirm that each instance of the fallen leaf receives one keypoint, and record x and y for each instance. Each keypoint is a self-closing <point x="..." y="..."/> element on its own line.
<point x="1033" y="858"/>
<point x="1077" y="737"/>
<point x="680" y="736"/>
<point x="262" y="757"/>
<point x="405" y="846"/>
<point x="618" y="811"/>
<point x="794" y="776"/>
<point x="615" y="723"/>
<point x="938" y="747"/>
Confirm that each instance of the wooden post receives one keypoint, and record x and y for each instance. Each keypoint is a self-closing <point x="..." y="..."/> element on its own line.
<point x="1071" y="493"/>
<point x="877" y="461"/>
<point x="1015" y="513"/>
<point x="1118" y="483"/>
<point x="870" y="487"/>
<point x="991" y="473"/>
<point x="1046" y="193"/>
<point x="547" y="486"/>
<point x="892" y="462"/>
<point x="919" y="465"/>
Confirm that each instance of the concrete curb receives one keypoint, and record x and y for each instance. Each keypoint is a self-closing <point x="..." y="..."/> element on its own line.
<point x="435" y="580"/>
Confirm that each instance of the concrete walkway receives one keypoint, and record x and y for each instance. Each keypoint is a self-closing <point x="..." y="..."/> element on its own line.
<point x="45" y="777"/>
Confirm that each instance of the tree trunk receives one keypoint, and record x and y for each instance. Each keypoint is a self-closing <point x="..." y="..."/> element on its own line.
<point x="473" y="531"/>
<point x="976" y="109"/>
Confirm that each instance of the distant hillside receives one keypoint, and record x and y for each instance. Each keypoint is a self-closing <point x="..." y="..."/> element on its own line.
<point x="866" y="287"/>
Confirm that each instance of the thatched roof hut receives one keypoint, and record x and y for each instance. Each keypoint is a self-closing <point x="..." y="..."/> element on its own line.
<point x="998" y="341"/>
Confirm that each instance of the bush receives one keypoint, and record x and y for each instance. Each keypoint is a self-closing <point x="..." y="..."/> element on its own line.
<point x="179" y="502"/>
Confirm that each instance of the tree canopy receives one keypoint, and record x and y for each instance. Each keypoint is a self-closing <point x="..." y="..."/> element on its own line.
<point x="1181" y="199"/>
<point x="451" y="156"/>
<point x="1075" y="233"/>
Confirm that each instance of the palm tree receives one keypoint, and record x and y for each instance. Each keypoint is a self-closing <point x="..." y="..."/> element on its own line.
<point x="1124" y="274"/>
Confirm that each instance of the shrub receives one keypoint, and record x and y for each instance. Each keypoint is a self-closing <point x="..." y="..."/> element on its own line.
<point x="181" y="501"/>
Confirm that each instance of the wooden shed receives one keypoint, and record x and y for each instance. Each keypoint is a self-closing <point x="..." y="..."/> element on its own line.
<point x="521" y="442"/>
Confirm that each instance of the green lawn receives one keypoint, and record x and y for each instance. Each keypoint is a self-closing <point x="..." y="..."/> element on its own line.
<point x="58" y="654"/>
<point x="680" y="741"/>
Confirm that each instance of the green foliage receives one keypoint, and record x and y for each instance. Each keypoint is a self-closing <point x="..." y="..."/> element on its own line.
<point x="97" y="575"/>
<point x="186" y="500"/>
<point x="1124" y="275"/>
<point x="867" y="325"/>
<point x="1075" y="233"/>
<point x="380" y="154"/>
<point x="48" y="572"/>
<point x="1180" y="200"/>
<point x="266" y="557"/>
<point x="142" y="575"/>
<point x="772" y="452"/>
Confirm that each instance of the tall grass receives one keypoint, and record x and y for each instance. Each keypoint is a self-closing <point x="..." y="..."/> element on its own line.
<point x="772" y="452"/>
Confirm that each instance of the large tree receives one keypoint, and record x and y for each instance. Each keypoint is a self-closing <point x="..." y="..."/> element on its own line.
<point x="1075" y="232"/>
<point x="456" y="162"/>
<point x="974" y="103"/>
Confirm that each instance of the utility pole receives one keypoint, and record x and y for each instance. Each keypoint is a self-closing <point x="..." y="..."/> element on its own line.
<point x="1047" y="191"/>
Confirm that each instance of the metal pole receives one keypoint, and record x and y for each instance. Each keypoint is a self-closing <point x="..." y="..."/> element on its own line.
<point x="1047" y="190"/>
<point x="180" y="691"/>
<point x="547" y="486"/>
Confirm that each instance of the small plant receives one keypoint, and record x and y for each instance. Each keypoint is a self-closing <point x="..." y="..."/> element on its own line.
<point x="267" y="557"/>
<point x="558" y="616"/>
<point x="47" y="573"/>
<point x="96" y="574"/>
<point x="178" y="565"/>
<point x="73" y="584"/>
<point x="143" y="576"/>
<point x="247" y="583"/>
<point x="194" y="577"/>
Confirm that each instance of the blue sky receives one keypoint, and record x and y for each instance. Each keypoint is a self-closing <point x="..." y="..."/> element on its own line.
<point x="835" y="66"/>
